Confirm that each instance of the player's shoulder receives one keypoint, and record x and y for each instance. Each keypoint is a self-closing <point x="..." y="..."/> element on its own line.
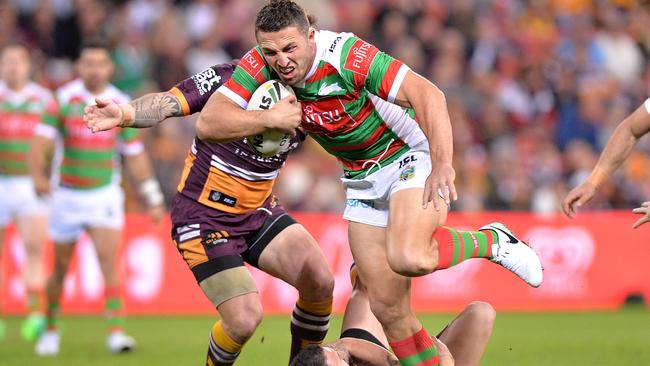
<point x="70" y="90"/>
<point x="330" y="44"/>
<point x="39" y="90"/>
<point x="253" y="61"/>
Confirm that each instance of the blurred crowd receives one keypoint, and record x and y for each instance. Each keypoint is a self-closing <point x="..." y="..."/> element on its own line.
<point x="534" y="88"/>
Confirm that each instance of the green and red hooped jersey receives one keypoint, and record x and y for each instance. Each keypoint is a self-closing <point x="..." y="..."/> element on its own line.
<point x="341" y="110"/>
<point x="20" y="113"/>
<point x="89" y="160"/>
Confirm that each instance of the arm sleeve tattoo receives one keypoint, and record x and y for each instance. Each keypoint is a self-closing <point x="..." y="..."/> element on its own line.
<point x="152" y="109"/>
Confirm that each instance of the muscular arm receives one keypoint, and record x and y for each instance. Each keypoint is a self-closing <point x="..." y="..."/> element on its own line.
<point x="618" y="148"/>
<point x="625" y="137"/>
<point x="38" y="158"/>
<point x="151" y="109"/>
<point x="431" y="112"/>
<point x="430" y="108"/>
<point x="221" y="120"/>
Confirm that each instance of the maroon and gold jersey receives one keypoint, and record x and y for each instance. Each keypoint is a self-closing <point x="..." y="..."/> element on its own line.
<point x="229" y="177"/>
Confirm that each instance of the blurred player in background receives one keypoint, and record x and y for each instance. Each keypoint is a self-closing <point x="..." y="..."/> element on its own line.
<point x="394" y="166"/>
<point x="225" y="214"/>
<point x="363" y="342"/>
<point x="88" y="196"/>
<point x="618" y="148"/>
<point x="22" y="102"/>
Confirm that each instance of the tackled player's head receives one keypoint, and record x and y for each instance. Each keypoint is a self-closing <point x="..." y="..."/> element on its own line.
<point x="322" y="355"/>
<point x="95" y="67"/>
<point x="15" y="65"/>
<point x="283" y="31"/>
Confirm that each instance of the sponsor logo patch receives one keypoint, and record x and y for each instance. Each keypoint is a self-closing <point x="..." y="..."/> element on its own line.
<point x="333" y="46"/>
<point x="360" y="57"/>
<point x="252" y="62"/>
<point x="407" y="173"/>
<point x="360" y="203"/>
<point x="206" y="80"/>
<point x="219" y="197"/>
<point x="212" y="238"/>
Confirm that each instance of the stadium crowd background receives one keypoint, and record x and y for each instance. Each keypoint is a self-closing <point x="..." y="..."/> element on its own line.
<point x="534" y="88"/>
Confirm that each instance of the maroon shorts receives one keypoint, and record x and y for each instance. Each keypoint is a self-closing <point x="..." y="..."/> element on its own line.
<point x="211" y="241"/>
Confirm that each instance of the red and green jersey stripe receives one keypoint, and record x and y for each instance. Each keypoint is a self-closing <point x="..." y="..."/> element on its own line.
<point x="20" y="112"/>
<point x="339" y="110"/>
<point x="90" y="160"/>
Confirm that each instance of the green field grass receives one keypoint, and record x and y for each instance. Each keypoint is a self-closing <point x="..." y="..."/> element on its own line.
<point x="591" y="338"/>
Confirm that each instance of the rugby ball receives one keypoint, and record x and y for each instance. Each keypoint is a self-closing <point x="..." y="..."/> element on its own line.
<point x="270" y="142"/>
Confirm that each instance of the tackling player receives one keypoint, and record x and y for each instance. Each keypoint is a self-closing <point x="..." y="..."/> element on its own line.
<point x="225" y="214"/>
<point x="394" y="166"/>
<point x="88" y="196"/>
<point x="363" y="341"/>
<point x="22" y="102"/>
<point x="618" y="148"/>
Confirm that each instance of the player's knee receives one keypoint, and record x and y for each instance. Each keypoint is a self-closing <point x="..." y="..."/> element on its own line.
<point x="483" y="315"/>
<point x="410" y="265"/>
<point x="317" y="281"/>
<point x="242" y="325"/>
<point x="412" y="257"/>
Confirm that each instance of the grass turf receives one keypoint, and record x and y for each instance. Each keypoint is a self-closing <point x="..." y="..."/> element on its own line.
<point x="581" y="338"/>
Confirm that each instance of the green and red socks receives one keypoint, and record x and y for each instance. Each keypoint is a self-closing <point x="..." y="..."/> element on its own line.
<point x="113" y="309"/>
<point x="455" y="246"/>
<point x="416" y="350"/>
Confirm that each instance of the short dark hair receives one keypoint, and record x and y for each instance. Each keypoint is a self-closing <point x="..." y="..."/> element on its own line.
<point x="279" y="14"/>
<point x="311" y="355"/>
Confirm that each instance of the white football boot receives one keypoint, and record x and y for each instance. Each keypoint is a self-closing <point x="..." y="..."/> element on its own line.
<point x="118" y="342"/>
<point x="515" y="255"/>
<point x="48" y="343"/>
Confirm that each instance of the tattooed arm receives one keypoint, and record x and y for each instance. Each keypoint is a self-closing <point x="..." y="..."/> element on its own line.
<point x="146" y="111"/>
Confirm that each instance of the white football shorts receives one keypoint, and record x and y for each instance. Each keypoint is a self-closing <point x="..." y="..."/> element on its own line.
<point x="367" y="199"/>
<point x="74" y="210"/>
<point x="18" y="199"/>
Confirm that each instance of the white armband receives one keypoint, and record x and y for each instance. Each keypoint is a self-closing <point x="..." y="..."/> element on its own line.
<point x="647" y="105"/>
<point x="150" y="190"/>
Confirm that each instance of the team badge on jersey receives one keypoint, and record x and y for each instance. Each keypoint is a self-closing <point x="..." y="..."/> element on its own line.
<point x="407" y="173"/>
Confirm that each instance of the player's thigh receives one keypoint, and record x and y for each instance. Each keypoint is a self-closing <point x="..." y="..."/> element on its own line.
<point x="293" y="255"/>
<point x="33" y="232"/>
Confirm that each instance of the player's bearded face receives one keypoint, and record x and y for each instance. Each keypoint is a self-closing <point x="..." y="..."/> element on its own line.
<point x="95" y="68"/>
<point x="289" y="51"/>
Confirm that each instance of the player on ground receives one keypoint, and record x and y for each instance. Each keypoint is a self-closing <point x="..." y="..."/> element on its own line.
<point x="363" y="341"/>
<point x="394" y="166"/>
<point x="618" y="148"/>
<point x="225" y="214"/>
<point x="89" y="197"/>
<point x="22" y="102"/>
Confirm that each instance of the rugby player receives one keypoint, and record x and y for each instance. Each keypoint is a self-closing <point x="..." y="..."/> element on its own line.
<point x="225" y="214"/>
<point x="22" y="102"/>
<point x="394" y="165"/>
<point x="363" y="341"/>
<point x="618" y="148"/>
<point x="88" y="196"/>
